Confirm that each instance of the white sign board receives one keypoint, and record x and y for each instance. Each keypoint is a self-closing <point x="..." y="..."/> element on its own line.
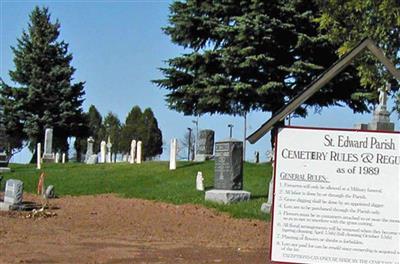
<point x="336" y="197"/>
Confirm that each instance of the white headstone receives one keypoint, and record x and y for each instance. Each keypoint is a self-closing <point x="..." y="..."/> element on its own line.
<point x="57" y="158"/>
<point x="103" y="146"/>
<point x="39" y="156"/>
<point x="133" y="152"/>
<point x="199" y="181"/>
<point x="48" y="155"/>
<point x="109" y="146"/>
<point x="14" y="191"/>
<point x="90" y="158"/>
<point x="139" y="152"/>
<point x="63" y="158"/>
<point x="48" y="141"/>
<point x="172" y="154"/>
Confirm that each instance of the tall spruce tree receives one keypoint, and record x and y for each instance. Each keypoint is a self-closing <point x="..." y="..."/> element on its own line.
<point x="94" y="129"/>
<point x="43" y="70"/>
<point x="251" y="55"/>
<point x="132" y="129"/>
<point x="112" y="129"/>
<point x="143" y="127"/>
<point x="152" y="136"/>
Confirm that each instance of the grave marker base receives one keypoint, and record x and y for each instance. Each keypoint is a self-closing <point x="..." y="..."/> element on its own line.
<point x="227" y="196"/>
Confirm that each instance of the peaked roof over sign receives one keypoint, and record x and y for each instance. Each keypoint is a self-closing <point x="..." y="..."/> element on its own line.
<point x="320" y="81"/>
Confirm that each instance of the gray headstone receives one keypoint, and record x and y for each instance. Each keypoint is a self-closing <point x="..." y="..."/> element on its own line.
<point x="48" y="155"/>
<point x="92" y="159"/>
<point x="14" y="191"/>
<point x="89" y="157"/>
<point x="205" y="145"/>
<point x="227" y="196"/>
<point x="50" y="192"/>
<point x="228" y="165"/>
<point x="89" y="150"/>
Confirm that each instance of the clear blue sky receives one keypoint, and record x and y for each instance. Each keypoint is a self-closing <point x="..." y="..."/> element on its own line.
<point x="118" y="47"/>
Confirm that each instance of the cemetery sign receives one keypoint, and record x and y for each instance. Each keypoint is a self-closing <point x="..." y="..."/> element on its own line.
<point x="336" y="196"/>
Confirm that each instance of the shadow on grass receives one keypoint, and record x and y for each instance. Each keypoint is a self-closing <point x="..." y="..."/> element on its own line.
<point x="255" y="197"/>
<point x="191" y="164"/>
<point x="207" y="188"/>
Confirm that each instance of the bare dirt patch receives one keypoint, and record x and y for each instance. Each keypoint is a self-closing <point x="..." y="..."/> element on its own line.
<point x="109" y="229"/>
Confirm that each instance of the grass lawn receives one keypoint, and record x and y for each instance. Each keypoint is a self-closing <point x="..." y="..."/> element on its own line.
<point x="149" y="180"/>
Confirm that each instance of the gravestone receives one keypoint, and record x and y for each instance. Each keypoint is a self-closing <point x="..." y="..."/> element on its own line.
<point x="109" y="146"/>
<point x="14" y="191"/>
<point x="139" y="152"/>
<point x="12" y="195"/>
<point x="48" y="155"/>
<point x="90" y="158"/>
<point x="103" y="146"/>
<point x="229" y="165"/>
<point x="205" y="145"/>
<point x="133" y="152"/>
<point x="228" y="178"/>
<point x="3" y="142"/>
<point x="39" y="156"/>
<point x="50" y="192"/>
<point x="199" y="181"/>
<point x="57" y="157"/>
<point x="172" y="154"/>
<point x="63" y="158"/>
<point x="257" y="157"/>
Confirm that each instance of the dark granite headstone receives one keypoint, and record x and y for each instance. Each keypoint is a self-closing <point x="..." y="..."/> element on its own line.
<point x="228" y="165"/>
<point x="205" y="145"/>
<point x="206" y="142"/>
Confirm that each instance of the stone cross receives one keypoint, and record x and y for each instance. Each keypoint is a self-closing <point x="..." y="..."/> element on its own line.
<point x="103" y="151"/>
<point x="199" y="181"/>
<point x="48" y="154"/>
<point x="133" y="152"/>
<point x="63" y="158"/>
<point x="172" y="154"/>
<point x="39" y="156"/>
<point x="109" y="146"/>
<point x="139" y="152"/>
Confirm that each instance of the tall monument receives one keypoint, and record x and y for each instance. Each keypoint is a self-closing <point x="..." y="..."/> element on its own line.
<point x="48" y="155"/>
<point x="381" y="116"/>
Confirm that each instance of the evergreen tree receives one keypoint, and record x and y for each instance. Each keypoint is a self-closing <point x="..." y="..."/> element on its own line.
<point x="143" y="127"/>
<point x="132" y="129"/>
<point x="42" y="68"/>
<point x="112" y="129"/>
<point x="251" y="55"/>
<point x="152" y="136"/>
<point x="10" y="100"/>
